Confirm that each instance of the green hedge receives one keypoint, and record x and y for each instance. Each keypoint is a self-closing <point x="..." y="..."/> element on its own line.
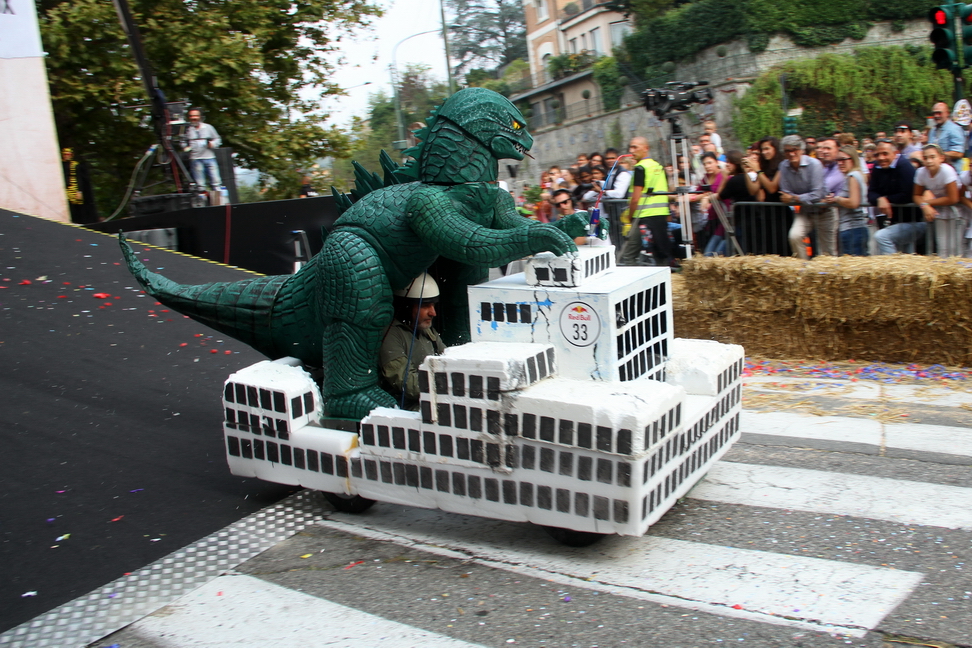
<point x="689" y="28"/>
<point x="863" y="92"/>
<point x="608" y="76"/>
<point x="683" y="31"/>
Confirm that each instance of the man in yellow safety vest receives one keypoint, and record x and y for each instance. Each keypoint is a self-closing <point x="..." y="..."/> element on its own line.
<point x="649" y="178"/>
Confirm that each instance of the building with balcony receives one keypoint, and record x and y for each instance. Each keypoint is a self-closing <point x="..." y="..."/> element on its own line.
<point x="564" y="39"/>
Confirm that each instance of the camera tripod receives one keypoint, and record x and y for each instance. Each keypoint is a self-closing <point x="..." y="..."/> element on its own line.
<point x="677" y="139"/>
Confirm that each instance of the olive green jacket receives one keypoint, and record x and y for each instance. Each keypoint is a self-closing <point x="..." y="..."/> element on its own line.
<point x="393" y="358"/>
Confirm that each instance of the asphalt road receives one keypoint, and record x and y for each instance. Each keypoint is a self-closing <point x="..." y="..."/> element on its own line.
<point x="111" y="429"/>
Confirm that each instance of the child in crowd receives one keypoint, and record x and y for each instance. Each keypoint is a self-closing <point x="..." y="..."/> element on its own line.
<point x="936" y="192"/>
<point x="710" y="130"/>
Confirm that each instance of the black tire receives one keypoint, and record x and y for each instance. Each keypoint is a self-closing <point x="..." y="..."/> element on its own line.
<point x="349" y="503"/>
<point x="573" y="538"/>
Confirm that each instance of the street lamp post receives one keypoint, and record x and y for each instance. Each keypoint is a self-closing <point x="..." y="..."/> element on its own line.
<point x="401" y="143"/>
<point x="445" y="39"/>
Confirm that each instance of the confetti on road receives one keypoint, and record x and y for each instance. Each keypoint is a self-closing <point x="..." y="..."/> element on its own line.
<point x="852" y="370"/>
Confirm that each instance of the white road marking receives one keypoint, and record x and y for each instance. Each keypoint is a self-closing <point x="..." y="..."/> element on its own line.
<point x="799" y="430"/>
<point x="950" y="444"/>
<point x="767" y="587"/>
<point x="939" y="439"/>
<point x="939" y="395"/>
<point x="799" y="489"/>
<point x="246" y="612"/>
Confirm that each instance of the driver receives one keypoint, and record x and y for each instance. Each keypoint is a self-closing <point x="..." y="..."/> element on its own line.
<point x="409" y="340"/>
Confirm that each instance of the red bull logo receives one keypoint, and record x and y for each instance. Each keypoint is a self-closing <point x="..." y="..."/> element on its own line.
<point x="579" y="313"/>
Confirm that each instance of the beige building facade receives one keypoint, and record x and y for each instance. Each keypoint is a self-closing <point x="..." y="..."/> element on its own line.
<point x="584" y="29"/>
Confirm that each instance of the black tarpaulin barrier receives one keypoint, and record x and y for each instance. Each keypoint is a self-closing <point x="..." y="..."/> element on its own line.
<point x="256" y="236"/>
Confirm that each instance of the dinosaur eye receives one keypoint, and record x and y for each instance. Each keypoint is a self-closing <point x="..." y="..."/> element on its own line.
<point x="517" y="125"/>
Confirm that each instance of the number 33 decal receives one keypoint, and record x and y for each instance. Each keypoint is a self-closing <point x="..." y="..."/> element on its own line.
<point x="580" y="333"/>
<point x="580" y="324"/>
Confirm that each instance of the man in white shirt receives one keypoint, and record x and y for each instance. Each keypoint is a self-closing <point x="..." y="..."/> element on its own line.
<point x="201" y="139"/>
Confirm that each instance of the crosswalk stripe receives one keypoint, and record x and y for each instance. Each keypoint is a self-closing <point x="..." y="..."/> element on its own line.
<point x="942" y="443"/>
<point x="906" y="438"/>
<point x="799" y="489"/>
<point x="825" y="432"/>
<point x="775" y="588"/>
<point x="247" y="612"/>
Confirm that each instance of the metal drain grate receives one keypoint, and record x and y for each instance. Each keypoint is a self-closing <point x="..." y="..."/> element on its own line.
<point x="93" y="616"/>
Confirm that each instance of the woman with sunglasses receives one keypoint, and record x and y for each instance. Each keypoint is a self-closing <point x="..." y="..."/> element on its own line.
<point x="853" y="218"/>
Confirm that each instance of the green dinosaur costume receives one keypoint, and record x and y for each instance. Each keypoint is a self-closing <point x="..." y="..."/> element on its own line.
<point x="444" y="203"/>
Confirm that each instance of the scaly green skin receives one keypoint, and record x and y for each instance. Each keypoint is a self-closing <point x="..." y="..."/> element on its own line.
<point x="334" y="312"/>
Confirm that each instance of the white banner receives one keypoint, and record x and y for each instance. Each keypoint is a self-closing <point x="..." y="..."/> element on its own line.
<point x="19" y="32"/>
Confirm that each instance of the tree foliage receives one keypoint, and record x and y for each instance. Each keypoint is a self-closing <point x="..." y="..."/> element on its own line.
<point x="608" y="76"/>
<point x="866" y="91"/>
<point x="675" y="30"/>
<point x="419" y="94"/>
<point x="486" y="33"/>
<point x="515" y="77"/>
<point x="247" y="63"/>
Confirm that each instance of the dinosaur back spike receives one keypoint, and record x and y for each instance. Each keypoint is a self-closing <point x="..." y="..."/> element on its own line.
<point x="341" y="201"/>
<point x="364" y="181"/>
<point x="390" y="167"/>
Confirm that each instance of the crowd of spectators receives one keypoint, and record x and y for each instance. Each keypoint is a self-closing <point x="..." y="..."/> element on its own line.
<point x="878" y="195"/>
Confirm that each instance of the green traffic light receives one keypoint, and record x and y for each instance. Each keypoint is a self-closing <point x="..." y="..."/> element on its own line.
<point x="965" y="18"/>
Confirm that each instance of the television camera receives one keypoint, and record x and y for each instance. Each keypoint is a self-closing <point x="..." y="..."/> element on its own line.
<point x="676" y="96"/>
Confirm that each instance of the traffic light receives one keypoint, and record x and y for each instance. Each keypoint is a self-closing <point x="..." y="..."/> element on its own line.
<point x="965" y="17"/>
<point x="789" y="125"/>
<point x="942" y="37"/>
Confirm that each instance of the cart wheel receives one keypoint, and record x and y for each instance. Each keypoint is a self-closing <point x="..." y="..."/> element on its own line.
<point x="573" y="538"/>
<point x="349" y="503"/>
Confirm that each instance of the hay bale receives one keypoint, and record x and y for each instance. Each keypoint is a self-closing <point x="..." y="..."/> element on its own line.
<point x="899" y="308"/>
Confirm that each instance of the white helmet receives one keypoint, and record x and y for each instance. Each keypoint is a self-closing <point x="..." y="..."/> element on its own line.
<point x="422" y="287"/>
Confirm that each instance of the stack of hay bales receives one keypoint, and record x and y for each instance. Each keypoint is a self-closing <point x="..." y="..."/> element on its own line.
<point x="900" y="308"/>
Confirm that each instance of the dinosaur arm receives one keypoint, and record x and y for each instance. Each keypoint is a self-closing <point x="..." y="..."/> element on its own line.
<point x="506" y="217"/>
<point x="435" y="219"/>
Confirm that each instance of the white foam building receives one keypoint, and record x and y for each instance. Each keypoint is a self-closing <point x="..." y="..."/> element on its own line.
<point x="531" y="421"/>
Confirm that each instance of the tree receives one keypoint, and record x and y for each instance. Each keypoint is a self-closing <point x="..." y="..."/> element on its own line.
<point x="250" y="64"/>
<point x="486" y="33"/>
<point x="418" y="92"/>
<point x="516" y="77"/>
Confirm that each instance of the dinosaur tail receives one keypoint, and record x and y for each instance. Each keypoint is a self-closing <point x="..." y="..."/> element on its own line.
<point x="239" y="309"/>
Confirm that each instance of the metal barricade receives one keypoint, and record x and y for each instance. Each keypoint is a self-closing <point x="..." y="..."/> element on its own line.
<point x="943" y="237"/>
<point x="613" y="208"/>
<point x="762" y="227"/>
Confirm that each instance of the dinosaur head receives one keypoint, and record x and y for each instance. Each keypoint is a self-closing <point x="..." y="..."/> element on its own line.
<point x="491" y="119"/>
